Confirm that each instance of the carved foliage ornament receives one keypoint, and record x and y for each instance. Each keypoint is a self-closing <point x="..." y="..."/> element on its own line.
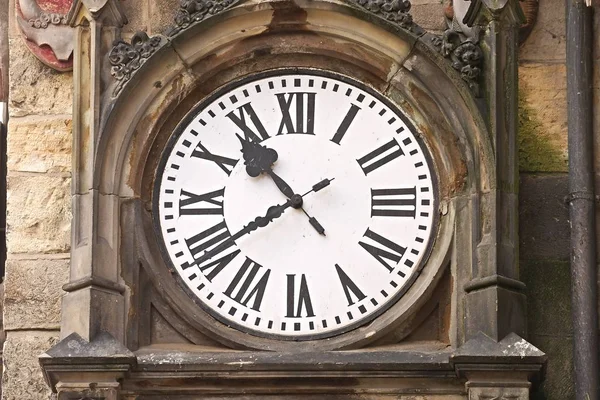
<point x="396" y="11"/>
<point x="191" y="11"/>
<point x="464" y="53"/>
<point x="127" y="58"/>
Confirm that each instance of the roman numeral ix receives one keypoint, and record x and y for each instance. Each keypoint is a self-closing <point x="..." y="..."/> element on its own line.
<point x="303" y="298"/>
<point x="204" y="204"/>
<point x="401" y="202"/>
<point x="239" y="118"/>
<point x="389" y="250"/>
<point x="304" y="106"/>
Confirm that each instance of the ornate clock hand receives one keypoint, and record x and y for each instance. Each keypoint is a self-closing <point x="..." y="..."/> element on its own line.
<point x="272" y="214"/>
<point x="259" y="159"/>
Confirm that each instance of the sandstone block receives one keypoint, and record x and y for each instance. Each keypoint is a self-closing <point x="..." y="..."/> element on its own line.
<point x="543" y="118"/>
<point x="22" y="376"/>
<point x="34" y="87"/>
<point x="39" y="144"/>
<point x="33" y="293"/>
<point x="162" y="15"/>
<point x="429" y="14"/>
<point x="137" y="15"/>
<point x="38" y="214"/>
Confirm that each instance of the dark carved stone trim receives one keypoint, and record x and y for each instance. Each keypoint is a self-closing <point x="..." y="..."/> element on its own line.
<point x="464" y="53"/>
<point x="192" y="11"/>
<point x="396" y="11"/>
<point x="127" y="58"/>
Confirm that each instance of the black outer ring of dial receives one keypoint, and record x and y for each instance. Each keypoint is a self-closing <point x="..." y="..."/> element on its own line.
<point x="198" y="108"/>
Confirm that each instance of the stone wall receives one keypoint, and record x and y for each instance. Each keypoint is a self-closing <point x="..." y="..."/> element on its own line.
<point x="39" y="200"/>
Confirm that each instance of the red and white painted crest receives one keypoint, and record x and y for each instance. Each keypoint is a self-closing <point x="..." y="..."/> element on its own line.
<point x="46" y="31"/>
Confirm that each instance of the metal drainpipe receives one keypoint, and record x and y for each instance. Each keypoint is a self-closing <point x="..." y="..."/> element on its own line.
<point x="581" y="198"/>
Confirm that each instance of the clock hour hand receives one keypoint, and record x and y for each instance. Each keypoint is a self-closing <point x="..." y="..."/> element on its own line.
<point x="259" y="159"/>
<point x="272" y="214"/>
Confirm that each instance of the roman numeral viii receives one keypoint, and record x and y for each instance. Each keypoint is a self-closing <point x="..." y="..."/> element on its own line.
<point x="401" y="202"/>
<point x="376" y="158"/>
<point x="215" y="237"/>
<point x="202" y="152"/>
<point x="388" y="250"/>
<point x="304" y="105"/>
<point x="303" y="298"/>
<point x="204" y="204"/>
<point x="243" y="288"/>
<point x="250" y="133"/>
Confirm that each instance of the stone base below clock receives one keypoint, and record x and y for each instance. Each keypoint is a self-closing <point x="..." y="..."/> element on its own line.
<point x="105" y="370"/>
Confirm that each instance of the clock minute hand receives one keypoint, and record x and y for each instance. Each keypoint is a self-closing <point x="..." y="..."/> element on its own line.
<point x="272" y="214"/>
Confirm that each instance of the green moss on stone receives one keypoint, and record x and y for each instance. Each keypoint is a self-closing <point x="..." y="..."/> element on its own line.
<point x="536" y="154"/>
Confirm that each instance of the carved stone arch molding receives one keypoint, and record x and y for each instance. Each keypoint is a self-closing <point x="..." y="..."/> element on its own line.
<point x="135" y="329"/>
<point x="258" y="37"/>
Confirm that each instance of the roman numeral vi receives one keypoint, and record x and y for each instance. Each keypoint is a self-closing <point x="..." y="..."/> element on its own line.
<point x="303" y="298"/>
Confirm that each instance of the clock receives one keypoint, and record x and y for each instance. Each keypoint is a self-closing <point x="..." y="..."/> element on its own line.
<point x="295" y="204"/>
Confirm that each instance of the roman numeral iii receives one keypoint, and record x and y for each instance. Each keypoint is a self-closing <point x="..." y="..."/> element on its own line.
<point x="204" y="204"/>
<point x="387" y="249"/>
<point x="401" y="202"/>
<point x="240" y="120"/>
<point x="202" y="152"/>
<point x="376" y="159"/>
<point x="303" y="301"/>
<point x="248" y="288"/>
<point x="304" y="105"/>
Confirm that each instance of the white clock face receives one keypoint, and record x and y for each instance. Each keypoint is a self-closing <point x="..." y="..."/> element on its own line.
<point x="295" y="205"/>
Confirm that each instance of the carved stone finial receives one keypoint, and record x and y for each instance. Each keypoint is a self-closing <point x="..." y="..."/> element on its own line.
<point x="191" y="11"/>
<point x="127" y="58"/>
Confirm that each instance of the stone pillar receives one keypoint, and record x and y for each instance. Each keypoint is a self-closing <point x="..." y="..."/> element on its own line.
<point x="495" y="286"/>
<point x="94" y="300"/>
<point x="80" y="370"/>
<point x="498" y="370"/>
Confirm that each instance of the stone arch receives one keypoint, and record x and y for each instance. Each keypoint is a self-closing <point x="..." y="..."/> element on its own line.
<point x="400" y="62"/>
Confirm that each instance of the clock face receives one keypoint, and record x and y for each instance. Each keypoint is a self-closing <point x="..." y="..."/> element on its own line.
<point x="295" y="204"/>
